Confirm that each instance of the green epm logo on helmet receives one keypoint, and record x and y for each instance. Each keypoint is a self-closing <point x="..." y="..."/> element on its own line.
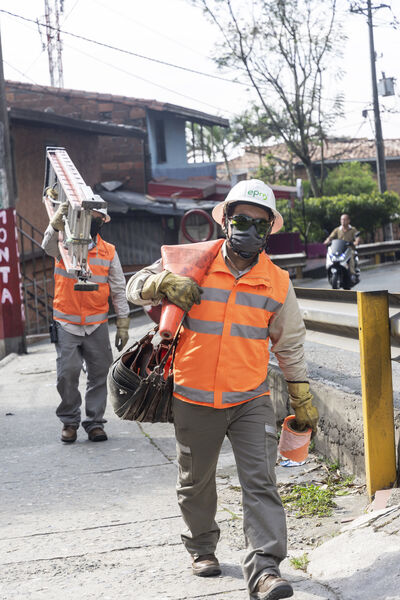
<point x="256" y="193"/>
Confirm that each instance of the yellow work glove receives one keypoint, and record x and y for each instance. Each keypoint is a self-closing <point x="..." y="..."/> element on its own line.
<point x="57" y="221"/>
<point x="122" y="335"/>
<point x="301" y="402"/>
<point x="180" y="290"/>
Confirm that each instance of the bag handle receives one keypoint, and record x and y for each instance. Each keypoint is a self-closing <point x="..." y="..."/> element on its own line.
<point x="146" y="338"/>
<point x="172" y="348"/>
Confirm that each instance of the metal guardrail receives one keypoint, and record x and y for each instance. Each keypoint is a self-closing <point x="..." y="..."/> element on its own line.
<point x="341" y="321"/>
<point x="299" y="260"/>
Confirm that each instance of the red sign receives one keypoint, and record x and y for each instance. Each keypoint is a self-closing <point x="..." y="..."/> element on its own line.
<point x="12" y="313"/>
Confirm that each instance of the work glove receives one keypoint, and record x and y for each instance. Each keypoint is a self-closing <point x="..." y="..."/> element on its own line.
<point x="57" y="221"/>
<point x="122" y="335"/>
<point x="180" y="290"/>
<point x="301" y="402"/>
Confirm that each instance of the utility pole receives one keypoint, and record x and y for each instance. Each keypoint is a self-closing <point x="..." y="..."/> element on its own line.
<point x="360" y="8"/>
<point x="12" y="315"/>
<point x="357" y="7"/>
<point x="380" y="150"/>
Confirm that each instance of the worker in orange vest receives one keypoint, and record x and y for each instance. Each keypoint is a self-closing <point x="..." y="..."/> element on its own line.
<point x="220" y="386"/>
<point x="81" y="327"/>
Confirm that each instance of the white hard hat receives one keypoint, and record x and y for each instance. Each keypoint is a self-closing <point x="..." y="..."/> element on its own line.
<point x="251" y="191"/>
<point x="104" y="212"/>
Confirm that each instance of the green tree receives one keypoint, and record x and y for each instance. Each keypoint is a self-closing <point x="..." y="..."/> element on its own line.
<point x="253" y="130"/>
<point x="350" y="178"/>
<point x="211" y="143"/>
<point x="368" y="212"/>
<point x="283" y="49"/>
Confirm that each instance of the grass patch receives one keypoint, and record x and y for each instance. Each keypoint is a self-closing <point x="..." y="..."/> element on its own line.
<point x="300" y="562"/>
<point x="309" y="500"/>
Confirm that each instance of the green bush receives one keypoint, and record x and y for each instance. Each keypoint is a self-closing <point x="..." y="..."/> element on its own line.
<point x="350" y="178"/>
<point x="368" y="212"/>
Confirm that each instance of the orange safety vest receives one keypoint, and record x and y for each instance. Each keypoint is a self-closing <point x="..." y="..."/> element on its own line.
<point x="222" y="355"/>
<point x="84" y="308"/>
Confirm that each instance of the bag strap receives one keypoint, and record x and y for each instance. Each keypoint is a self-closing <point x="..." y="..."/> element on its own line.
<point x="146" y="338"/>
<point x="172" y="348"/>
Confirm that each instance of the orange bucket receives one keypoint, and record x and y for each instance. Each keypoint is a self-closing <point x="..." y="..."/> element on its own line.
<point x="294" y="444"/>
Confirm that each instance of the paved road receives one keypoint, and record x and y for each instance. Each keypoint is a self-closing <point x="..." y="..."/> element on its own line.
<point x="382" y="277"/>
<point x="336" y="359"/>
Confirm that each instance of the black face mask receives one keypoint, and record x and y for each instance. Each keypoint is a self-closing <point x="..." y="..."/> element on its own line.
<point x="96" y="225"/>
<point x="246" y="243"/>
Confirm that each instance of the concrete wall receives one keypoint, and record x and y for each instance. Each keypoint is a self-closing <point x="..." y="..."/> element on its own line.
<point x="340" y="435"/>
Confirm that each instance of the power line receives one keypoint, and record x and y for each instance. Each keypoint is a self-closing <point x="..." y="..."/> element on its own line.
<point x="130" y="74"/>
<point x="20" y="72"/>
<point x="122" y="50"/>
<point x="155" y="60"/>
<point x="158" y="33"/>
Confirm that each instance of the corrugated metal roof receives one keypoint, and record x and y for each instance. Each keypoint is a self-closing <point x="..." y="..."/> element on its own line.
<point x="339" y="149"/>
<point x="122" y="201"/>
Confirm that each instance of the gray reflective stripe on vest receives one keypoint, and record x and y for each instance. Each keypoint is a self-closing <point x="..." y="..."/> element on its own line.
<point x="195" y="395"/>
<point x="215" y="294"/>
<point x="61" y="315"/>
<point x="99" y="278"/>
<point x="103" y="262"/>
<point x="63" y="273"/>
<point x="235" y="397"/>
<point x="93" y="318"/>
<point x="199" y="326"/>
<point x="257" y="301"/>
<point x="249" y="331"/>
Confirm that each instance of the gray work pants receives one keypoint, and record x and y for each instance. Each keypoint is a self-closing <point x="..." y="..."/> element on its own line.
<point x="95" y="350"/>
<point x="250" y="427"/>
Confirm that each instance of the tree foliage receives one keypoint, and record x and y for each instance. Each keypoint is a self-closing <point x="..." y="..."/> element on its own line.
<point x="283" y="49"/>
<point x="209" y="143"/>
<point x="368" y="212"/>
<point x="350" y="178"/>
<point x="253" y="130"/>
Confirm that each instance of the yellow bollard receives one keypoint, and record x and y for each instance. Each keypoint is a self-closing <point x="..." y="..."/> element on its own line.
<point x="377" y="390"/>
<point x="377" y="259"/>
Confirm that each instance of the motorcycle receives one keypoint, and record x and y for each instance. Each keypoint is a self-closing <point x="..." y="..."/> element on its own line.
<point x="337" y="265"/>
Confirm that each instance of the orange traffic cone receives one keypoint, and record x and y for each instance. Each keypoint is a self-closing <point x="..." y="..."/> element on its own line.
<point x="190" y="260"/>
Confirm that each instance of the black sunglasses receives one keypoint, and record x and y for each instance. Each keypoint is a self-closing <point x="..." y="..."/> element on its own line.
<point x="243" y="223"/>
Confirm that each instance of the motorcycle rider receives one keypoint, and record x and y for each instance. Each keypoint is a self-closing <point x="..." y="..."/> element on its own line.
<point x="349" y="234"/>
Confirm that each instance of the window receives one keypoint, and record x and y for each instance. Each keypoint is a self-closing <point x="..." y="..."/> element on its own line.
<point x="160" y="141"/>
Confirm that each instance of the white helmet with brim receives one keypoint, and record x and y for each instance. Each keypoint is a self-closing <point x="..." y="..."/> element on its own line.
<point x="250" y="191"/>
<point x="104" y="212"/>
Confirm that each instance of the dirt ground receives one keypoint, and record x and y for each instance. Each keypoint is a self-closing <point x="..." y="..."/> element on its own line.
<point x="304" y="532"/>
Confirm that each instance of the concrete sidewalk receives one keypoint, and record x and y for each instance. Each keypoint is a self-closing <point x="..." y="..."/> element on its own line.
<point x="101" y="520"/>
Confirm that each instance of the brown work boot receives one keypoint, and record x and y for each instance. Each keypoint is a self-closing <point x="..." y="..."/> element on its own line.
<point x="206" y="565"/>
<point x="97" y="435"/>
<point x="272" y="587"/>
<point x="68" y="434"/>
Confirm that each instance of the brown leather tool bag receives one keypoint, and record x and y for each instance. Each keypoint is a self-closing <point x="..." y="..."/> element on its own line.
<point x="140" y="381"/>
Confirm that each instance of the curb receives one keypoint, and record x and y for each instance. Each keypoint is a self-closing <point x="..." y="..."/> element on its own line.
<point x="4" y="361"/>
